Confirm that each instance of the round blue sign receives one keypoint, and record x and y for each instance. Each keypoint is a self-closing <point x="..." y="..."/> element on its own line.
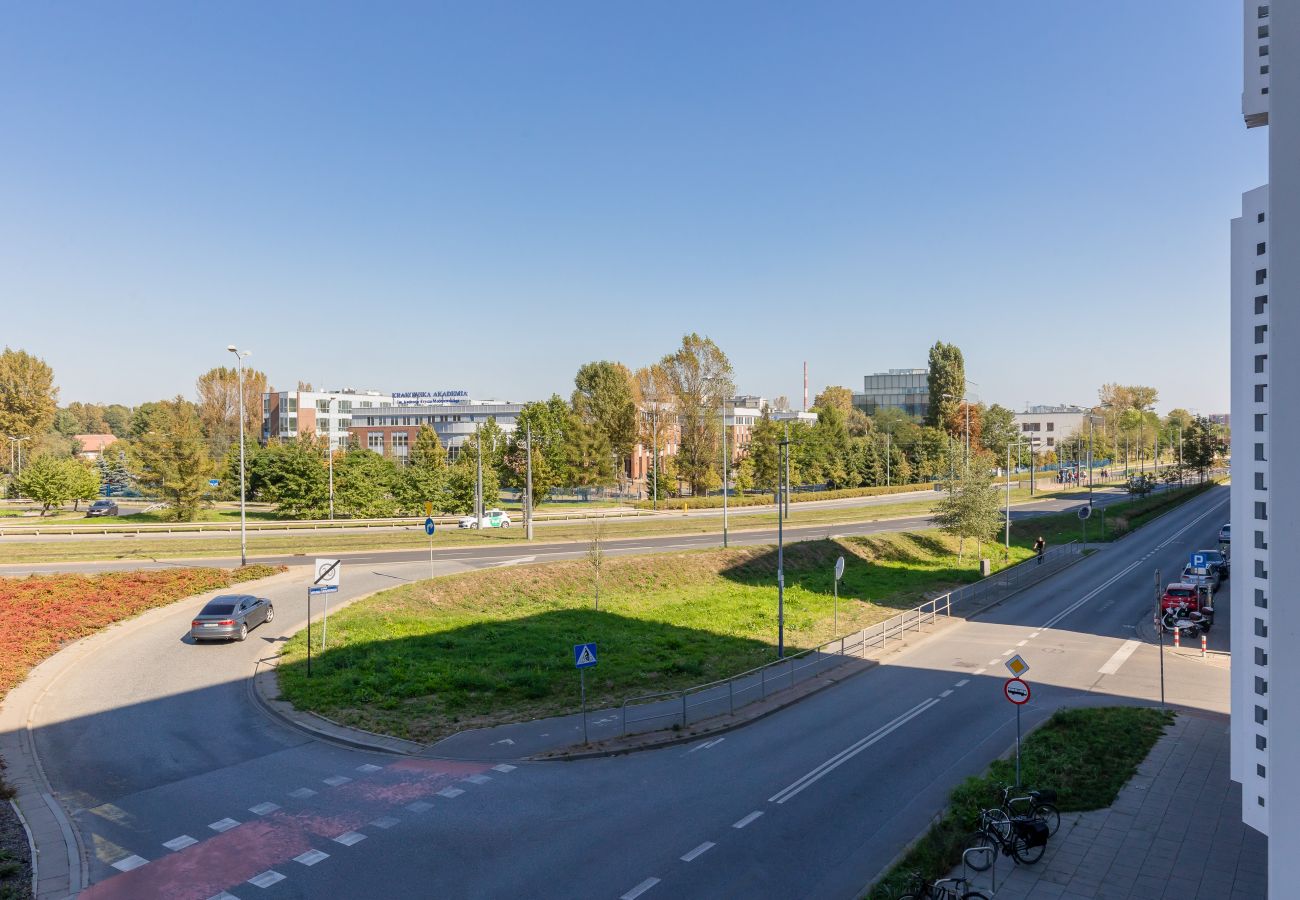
<point x="428" y="527"/>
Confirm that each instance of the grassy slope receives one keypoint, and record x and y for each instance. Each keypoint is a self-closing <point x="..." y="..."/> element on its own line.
<point x="425" y="659"/>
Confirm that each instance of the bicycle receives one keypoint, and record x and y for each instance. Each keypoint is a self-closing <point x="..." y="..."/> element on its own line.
<point x="1039" y="805"/>
<point x="1024" y="839"/>
<point x="919" y="889"/>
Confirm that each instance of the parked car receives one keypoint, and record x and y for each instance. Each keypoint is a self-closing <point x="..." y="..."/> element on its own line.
<point x="1225" y="534"/>
<point x="493" y="518"/>
<point x="1217" y="561"/>
<point x="102" y="508"/>
<point x="1180" y="593"/>
<point x="1205" y="576"/>
<point x="231" y="617"/>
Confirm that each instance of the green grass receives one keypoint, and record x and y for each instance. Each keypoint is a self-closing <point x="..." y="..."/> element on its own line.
<point x="425" y="659"/>
<point x="1085" y="755"/>
<point x="1118" y="519"/>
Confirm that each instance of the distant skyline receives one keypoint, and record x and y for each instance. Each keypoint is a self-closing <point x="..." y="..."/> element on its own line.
<point x="486" y="197"/>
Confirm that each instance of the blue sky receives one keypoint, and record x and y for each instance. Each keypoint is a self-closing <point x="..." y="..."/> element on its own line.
<point x="487" y="195"/>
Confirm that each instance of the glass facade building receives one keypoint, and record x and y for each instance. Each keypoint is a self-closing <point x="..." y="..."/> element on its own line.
<point x="905" y="389"/>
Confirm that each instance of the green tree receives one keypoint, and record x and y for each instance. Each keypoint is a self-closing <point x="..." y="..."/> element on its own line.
<point x="424" y="478"/>
<point x="85" y="481"/>
<point x="947" y="377"/>
<point x="604" y="396"/>
<point x="172" y="458"/>
<point x="841" y="398"/>
<point x="363" y="485"/>
<point x="998" y="430"/>
<point x="118" y="419"/>
<point x="52" y="481"/>
<point x="292" y="474"/>
<point x="28" y="397"/>
<point x="218" y="392"/>
<point x="591" y="462"/>
<point x="698" y="376"/>
<point x="1201" y="446"/>
<point x="549" y="423"/>
<point x="114" y="473"/>
<point x="765" y="451"/>
<point x="970" y="507"/>
<point x="142" y="417"/>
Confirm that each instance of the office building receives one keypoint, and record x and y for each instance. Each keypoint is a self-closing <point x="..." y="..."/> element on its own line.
<point x="391" y="429"/>
<point x="905" y="389"/>
<point x="288" y="414"/>
<point x="1050" y="424"/>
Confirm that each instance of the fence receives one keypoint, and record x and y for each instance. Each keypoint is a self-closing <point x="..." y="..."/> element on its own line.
<point x="725" y="696"/>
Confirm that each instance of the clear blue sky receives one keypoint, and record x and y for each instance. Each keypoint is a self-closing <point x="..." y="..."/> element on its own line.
<point x="486" y="195"/>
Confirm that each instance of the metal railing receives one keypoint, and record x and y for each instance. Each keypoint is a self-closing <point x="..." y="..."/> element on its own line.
<point x="725" y="696"/>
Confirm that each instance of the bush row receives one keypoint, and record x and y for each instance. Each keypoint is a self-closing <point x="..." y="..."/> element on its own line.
<point x="715" y="502"/>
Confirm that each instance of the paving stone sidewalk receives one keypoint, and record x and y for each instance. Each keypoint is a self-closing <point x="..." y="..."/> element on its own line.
<point x="1175" y="831"/>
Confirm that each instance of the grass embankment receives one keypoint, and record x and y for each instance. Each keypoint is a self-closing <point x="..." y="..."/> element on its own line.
<point x="1085" y="755"/>
<point x="1106" y="524"/>
<point x="426" y="659"/>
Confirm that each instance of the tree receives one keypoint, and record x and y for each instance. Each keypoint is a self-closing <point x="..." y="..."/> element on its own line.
<point x="591" y="463"/>
<point x="142" y="417"/>
<point x="363" y="485"/>
<point x="52" y="481"/>
<point x="698" y="376"/>
<point x="1201" y="446"/>
<point x="28" y="397"/>
<point x="549" y="425"/>
<point x="118" y="419"/>
<point x="998" y="430"/>
<point x="765" y="452"/>
<point x="947" y="377"/>
<point x="289" y="473"/>
<point x="596" y="557"/>
<point x="605" y="396"/>
<point x="172" y="458"/>
<point x="218" y="392"/>
<point x="841" y="398"/>
<point x="114" y="472"/>
<point x="970" y="507"/>
<point x="424" y="478"/>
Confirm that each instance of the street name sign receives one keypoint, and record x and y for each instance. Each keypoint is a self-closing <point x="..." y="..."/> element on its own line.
<point x="1017" y="691"/>
<point x="1017" y="666"/>
<point x="584" y="655"/>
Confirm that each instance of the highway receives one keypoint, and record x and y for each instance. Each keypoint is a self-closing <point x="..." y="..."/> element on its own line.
<point x="179" y="786"/>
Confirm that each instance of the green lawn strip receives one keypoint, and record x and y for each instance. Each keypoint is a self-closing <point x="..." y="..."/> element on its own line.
<point x="1120" y="518"/>
<point x="1085" y="755"/>
<point x="426" y="659"/>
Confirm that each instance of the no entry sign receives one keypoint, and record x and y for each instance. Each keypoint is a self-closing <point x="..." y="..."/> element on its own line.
<point x="1017" y="691"/>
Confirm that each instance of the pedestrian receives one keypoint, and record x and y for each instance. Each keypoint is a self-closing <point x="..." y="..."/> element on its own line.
<point x="1040" y="547"/>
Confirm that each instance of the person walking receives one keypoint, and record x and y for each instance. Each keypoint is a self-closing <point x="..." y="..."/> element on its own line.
<point x="1040" y="547"/>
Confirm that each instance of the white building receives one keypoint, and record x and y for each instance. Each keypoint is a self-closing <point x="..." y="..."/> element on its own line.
<point x="1266" y="413"/>
<point x="1050" y="424"/>
<point x="287" y="414"/>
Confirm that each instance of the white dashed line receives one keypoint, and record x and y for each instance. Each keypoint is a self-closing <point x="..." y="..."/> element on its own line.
<point x="994" y="662"/>
<point x="699" y="851"/>
<point x="180" y="843"/>
<point x="980" y="671"/>
<point x="263" y="809"/>
<point x="336" y="780"/>
<point x="450" y="792"/>
<point x="131" y="862"/>
<point x="223" y="896"/>
<point x="1022" y="643"/>
<point x="745" y="821"/>
<point x="477" y="779"/>
<point x="385" y="822"/>
<point x="266" y="879"/>
<point x="223" y="824"/>
<point x="963" y="682"/>
<point x="368" y="768"/>
<point x="504" y="767"/>
<point x="1035" y="634"/>
<point x="302" y="793"/>
<point x="1118" y="658"/>
<point x="1008" y="652"/>
<point x="419" y="806"/>
<point x="311" y="857"/>
<point x="640" y="889"/>
<point x="946" y="693"/>
<point x="348" y="838"/>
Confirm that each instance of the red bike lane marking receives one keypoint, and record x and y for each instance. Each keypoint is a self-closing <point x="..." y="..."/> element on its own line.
<point x="232" y="857"/>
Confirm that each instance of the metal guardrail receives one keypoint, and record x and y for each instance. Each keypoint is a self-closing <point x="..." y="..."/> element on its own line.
<point x="724" y="696"/>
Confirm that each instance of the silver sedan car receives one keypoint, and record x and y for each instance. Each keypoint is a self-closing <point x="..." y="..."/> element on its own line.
<point x="230" y="617"/>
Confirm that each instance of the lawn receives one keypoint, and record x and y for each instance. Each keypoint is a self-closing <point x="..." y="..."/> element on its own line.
<point x="1117" y="520"/>
<point x="1085" y="755"/>
<point x="426" y="659"/>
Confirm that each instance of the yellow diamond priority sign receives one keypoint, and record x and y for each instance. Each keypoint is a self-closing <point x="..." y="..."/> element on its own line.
<point x="1017" y="666"/>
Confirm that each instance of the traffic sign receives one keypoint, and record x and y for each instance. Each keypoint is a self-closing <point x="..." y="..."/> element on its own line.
<point x="1198" y="561"/>
<point x="326" y="573"/>
<point x="584" y="655"/>
<point x="428" y="507"/>
<point x="1017" y="666"/>
<point x="213" y="482"/>
<point x="839" y="568"/>
<point x="1017" y="691"/>
<point x="428" y="527"/>
<point x="1085" y="511"/>
<point x="322" y="588"/>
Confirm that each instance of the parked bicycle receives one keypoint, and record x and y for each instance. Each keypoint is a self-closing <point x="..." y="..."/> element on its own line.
<point x="1023" y="838"/>
<point x="1039" y="805"/>
<point x="943" y="889"/>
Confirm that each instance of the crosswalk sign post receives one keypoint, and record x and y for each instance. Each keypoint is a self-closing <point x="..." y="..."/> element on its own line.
<point x="325" y="580"/>
<point x="584" y="657"/>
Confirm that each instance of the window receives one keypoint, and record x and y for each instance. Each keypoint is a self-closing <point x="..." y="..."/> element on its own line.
<point x="1261" y="686"/>
<point x="1261" y="510"/>
<point x="1051" y="426"/>
<point x="1051" y="441"/>
<point x="345" y="406"/>
<point x="1259" y="486"/>
<point x="1259" y="249"/>
<point x="1262" y="11"/>
<point x="1262" y="31"/>
<point x="375" y="441"/>
<point x="293" y="423"/>
<point x="1263" y="50"/>
<point x="1260" y="303"/>
<point x="1263" y="70"/>
<point x="343" y="442"/>
<point x="1260" y="571"/>
<point x="1260" y="359"/>
<point x="1259" y="421"/>
<point x="1259" y="453"/>
<point x="1260" y="217"/>
<point x="293" y="404"/>
<point x="1263" y="90"/>
<point x="322" y="406"/>
<point x="1261" y="742"/>
<point x="1261" y="658"/>
<point x="1259" y="392"/>
<point x="1260" y="600"/>
<point x="1259" y="770"/>
<point x="1261" y="715"/>
<point x="1260" y="800"/>
<point x="1260" y="275"/>
<point x="1260" y="332"/>
<point x="345" y="424"/>
<point x="323" y="426"/>
<point x="1261" y="630"/>
<point x="284" y="424"/>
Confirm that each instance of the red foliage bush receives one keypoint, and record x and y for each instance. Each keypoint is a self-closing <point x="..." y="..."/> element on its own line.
<point x="41" y="613"/>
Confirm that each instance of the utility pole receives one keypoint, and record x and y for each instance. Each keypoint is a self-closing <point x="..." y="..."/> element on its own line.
<point x="654" y="461"/>
<point x="528" y="480"/>
<point x="329" y="448"/>
<point x="478" y="484"/>
<point x="243" y="515"/>
<point x="887" y="459"/>
<point x="787" y="470"/>
<point x="725" y="467"/>
<point x="1007" y="555"/>
<point x="780" y="552"/>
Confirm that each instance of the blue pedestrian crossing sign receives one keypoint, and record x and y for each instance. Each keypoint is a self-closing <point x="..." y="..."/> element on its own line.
<point x="214" y="482"/>
<point x="584" y="655"/>
<point x="428" y="527"/>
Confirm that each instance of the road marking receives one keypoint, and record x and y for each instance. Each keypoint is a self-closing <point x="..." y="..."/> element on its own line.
<point x="131" y="862"/>
<point x="263" y="809"/>
<point x="963" y="682"/>
<point x="946" y="693"/>
<point x="640" y="889"/>
<point x="302" y="793"/>
<point x="477" y="779"/>
<point x="223" y="896"/>
<point x="1035" y="634"/>
<point x="745" y="821"/>
<point x="848" y="753"/>
<point x="1008" y="652"/>
<point x="180" y="843"/>
<point x="994" y="662"/>
<point x="450" y="792"/>
<point x="336" y="780"/>
<point x="419" y="806"/>
<point x="348" y="838"/>
<point x="980" y="671"/>
<point x="1118" y="658"/>
<point x="368" y="768"/>
<point x="504" y="767"/>
<point x="223" y="824"/>
<point x="311" y="857"/>
<point x="385" y="822"/>
<point x="1022" y="643"/>
<point x="699" y="851"/>
<point x="266" y="879"/>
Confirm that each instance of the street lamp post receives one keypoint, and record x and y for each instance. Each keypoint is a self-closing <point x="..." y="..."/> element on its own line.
<point x="240" y="356"/>
<point x="478" y="483"/>
<point x="780" y="550"/>
<point x="528" y="480"/>
<point x="654" y="460"/>
<point x="329" y="448"/>
<point x="725" y="473"/>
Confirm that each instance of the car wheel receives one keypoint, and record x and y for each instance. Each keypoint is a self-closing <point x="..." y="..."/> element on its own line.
<point x="505" y="524"/>
<point x="270" y="612"/>
<point x="243" y="632"/>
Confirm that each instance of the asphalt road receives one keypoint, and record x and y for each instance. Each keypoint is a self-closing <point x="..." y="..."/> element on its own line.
<point x="153" y="743"/>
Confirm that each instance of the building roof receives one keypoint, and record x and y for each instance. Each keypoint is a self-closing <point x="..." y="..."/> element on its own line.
<point x="94" y="443"/>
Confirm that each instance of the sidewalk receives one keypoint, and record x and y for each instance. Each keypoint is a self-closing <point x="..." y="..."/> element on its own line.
<point x="1174" y="831"/>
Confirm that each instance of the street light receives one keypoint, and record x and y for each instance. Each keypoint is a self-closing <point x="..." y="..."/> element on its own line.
<point x="780" y="547"/>
<point x="725" y="472"/>
<point x="1091" y="417"/>
<point x="240" y="356"/>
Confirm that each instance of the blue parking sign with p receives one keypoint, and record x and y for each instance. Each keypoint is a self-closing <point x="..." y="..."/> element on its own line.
<point x="1198" y="561"/>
